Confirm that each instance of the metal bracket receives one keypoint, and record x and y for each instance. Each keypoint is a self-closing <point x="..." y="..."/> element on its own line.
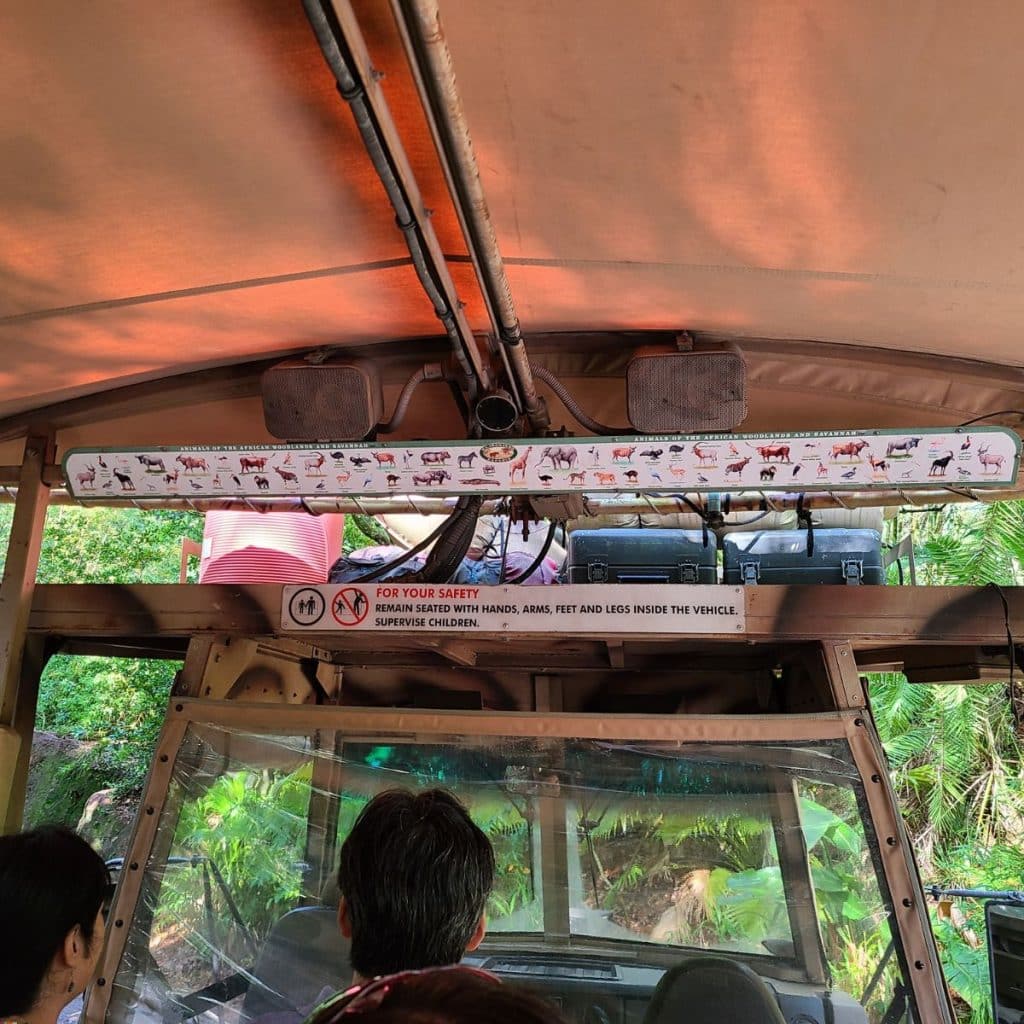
<point x="597" y="572"/>
<point x="750" y="573"/>
<point x="853" y="572"/>
<point x="689" y="572"/>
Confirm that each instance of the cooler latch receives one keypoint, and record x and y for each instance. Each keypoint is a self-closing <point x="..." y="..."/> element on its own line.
<point x="597" y="572"/>
<point x="853" y="572"/>
<point x="688" y="572"/>
<point x="750" y="573"/>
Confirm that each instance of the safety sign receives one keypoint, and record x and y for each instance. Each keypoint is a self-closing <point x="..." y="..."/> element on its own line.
<point x="453" y="608"/>
<point x="836" y="460"/>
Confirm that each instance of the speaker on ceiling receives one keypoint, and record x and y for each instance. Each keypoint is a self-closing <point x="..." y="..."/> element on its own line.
<point x="329" y="401"/>
<point x="678" y="391"/>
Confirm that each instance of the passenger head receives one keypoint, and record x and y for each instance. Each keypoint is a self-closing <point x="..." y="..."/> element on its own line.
<point x="453" y="995"/>
<point x="52" y="889"/>
<point x="414" y="875"/>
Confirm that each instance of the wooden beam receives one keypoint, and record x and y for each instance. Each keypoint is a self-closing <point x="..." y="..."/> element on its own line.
<point x="869" y="617"/>
<point x="33" y="662"/>
<point x="16" y="593"/>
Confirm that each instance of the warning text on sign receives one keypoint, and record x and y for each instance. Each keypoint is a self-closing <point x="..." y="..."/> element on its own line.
<point x="604" y="609"/>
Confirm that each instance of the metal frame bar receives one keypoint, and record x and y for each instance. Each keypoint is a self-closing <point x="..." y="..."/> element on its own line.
<point x="922" y="968"/>
<point x="130" y="884"/>
<point x="796" y="878"/>
<point x="16" y="598"/>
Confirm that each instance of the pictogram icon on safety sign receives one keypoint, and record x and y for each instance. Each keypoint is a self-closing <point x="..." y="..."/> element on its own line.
<point x="349" y="606"/>
<point x="307" y="606"/>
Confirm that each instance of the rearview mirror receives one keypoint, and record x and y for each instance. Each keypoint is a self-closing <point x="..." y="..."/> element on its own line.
<point x="1004" y="923"/>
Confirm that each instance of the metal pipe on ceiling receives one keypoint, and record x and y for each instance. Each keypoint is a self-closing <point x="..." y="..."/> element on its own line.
<point x="596" y="504"/>
<point x="424" y="249"/>
<point x="431" y="59"/>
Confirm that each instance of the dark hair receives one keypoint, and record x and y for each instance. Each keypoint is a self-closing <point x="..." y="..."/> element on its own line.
<point x="449" y="997"/>
<point x="51" y="881"/>
<point x="415" y="873"/>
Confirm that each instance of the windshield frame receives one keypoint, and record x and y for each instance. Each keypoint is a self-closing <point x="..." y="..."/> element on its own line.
<point x="355" y="724"/>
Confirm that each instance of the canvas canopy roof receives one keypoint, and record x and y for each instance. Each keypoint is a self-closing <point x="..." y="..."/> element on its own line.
<point x="182" y="189"/>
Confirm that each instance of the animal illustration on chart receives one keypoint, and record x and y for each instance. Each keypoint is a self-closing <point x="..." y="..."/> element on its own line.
<point x="191" y="464"/>
<point x="315" y="467"/>
<point x="252" y="464"/>
<point x="466" y="461"/>
<point x="262" y="482"/>
<point x="902" y="449"/>
<point x="286" y="475"/>
<point x="431" y="478"/>
<point x="152" y="463"/>
<point x="986" y="460"/>
<point x="623" y="453"/>
<point x="822" y="469"/>
<point x="768" y="473"/>
<point x="605" y="479"/>
<point x="848" y="449"/>
<point x="967" y="444"/>
<point x="779" y="452"/>
<point x="519" y="466"/>
<point x="435" y="458"/>
<point x="653" y="454"/>
<point x="88" y="478"/>
<point x="595" y="454"/>
<point x="705" y="456"/>
<point x="939" y="465"/>
<point x="736" y="468"/>
<point x="560" y="458"/>
<point x="125" y="480"/>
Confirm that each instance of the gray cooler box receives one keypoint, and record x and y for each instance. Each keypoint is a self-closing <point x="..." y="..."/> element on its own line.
<point x="642" y="556"/>
<point x="853" y="557"/>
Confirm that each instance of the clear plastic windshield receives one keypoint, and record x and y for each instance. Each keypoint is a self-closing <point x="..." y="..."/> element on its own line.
<point x="629" y="857"/>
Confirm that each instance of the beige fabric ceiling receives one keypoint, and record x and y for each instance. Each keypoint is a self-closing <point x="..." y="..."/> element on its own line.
<point x="181" y="186"/>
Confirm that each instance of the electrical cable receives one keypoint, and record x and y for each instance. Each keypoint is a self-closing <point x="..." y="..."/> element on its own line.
<point x="405" y="397"/>
<point x="1012" y="652"/>
<point x="406" y="555"/>
<point x="566" y="398"/>
<point x="989" y="415"/>
<point x="505" y="537"/>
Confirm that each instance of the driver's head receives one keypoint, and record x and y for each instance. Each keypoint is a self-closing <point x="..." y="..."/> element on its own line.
<point x="414" y="875"/>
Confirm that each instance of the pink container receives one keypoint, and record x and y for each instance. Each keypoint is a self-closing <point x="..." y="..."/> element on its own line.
<point x="275" y="547"/>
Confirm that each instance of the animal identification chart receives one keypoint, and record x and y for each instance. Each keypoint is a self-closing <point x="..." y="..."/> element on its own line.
<point x="453" y="608"/>
<point x="982" y="457"/>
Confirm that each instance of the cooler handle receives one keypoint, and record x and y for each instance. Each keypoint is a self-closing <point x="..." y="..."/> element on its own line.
<point x="643" y="577"/>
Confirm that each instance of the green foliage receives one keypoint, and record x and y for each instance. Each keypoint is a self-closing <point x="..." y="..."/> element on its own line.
<point x="955" y="751"/>
<point x="251" y="827"/>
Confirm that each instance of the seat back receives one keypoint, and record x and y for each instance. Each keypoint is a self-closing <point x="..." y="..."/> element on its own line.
<point x="710" y="990"/>
<point x="304" y="953"/>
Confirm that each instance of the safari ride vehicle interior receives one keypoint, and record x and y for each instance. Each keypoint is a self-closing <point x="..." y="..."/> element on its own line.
<point x="677" y="302"/>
